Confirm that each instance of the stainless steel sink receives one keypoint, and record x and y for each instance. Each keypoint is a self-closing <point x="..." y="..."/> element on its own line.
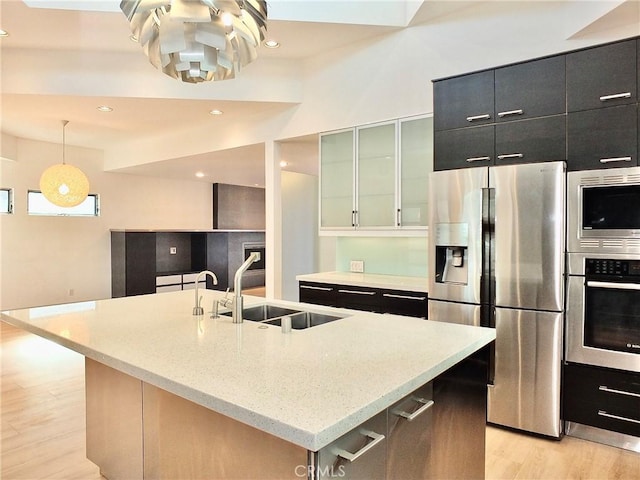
<point x="302" y="320"/>
<point x="272" y="315"/>
<point x="260" y="313"/>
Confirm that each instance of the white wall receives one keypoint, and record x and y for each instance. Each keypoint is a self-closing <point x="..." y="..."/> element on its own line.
<point x="46" y="260"/>
<point x="299" y="229"/>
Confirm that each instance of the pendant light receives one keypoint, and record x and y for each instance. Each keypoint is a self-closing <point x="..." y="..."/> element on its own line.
<point x="64" y="185"/>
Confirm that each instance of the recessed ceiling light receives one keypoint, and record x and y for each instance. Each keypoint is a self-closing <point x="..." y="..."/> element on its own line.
<point x="199" y="174"/>
<point x="215" y="112"/>
<point x="271" y="44"/>
<point x="105" y="108"/>
<point x="3" y="33"/>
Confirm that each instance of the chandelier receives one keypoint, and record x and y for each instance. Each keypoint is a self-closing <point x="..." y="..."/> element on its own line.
<point x="62" y="184"/>
<point x="198" y="40"/>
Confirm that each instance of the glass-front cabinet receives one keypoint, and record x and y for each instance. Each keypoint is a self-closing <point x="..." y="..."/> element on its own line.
<point x="374" y="178"/>
<point x="376" y="181"/>
<point x="337" y="180"/>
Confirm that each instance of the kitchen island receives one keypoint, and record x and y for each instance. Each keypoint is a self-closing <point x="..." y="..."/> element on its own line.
<point x="173" y="395"/>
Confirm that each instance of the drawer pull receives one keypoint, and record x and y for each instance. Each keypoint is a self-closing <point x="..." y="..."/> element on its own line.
<point x="357" y="292"/>
<point x="310" y="287"/>
<point x="604" y="388"/>
<point x="613" y="285"/>
<point x="510" y="155"/>
<point x="510" y="112"/>
<point x="615" y="96"/>
<point x="376" y="437"/>
<point x="615" y="159"/>
<point x="426" y="405"/>
<point x="403" y="297"/>
<point x="473" y="118"/>
<point x="478" y="159"/>
<point x="602" y="413"/>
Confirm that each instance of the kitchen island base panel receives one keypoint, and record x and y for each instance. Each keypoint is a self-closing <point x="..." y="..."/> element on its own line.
<point x="138" y="431"/>
<point x="114" y="421"/>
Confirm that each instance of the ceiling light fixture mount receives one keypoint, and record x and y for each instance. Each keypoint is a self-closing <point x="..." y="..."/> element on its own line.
<point x="198" y="40"/>
<point x="64" y="185"/>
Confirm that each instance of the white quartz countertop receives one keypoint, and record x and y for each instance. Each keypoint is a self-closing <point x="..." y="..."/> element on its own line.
<point x="392" y="282"/>
<point x="308" y="386"/>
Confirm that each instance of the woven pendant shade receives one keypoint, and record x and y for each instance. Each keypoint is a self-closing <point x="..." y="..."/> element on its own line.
<point x="64" y="185"/>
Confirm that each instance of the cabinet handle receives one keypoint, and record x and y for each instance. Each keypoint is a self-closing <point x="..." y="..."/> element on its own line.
<point x="352" y="457"/>
<point x="398" y="218"/>
<point x="615" y="96"/>
<point x="473" y="118"/>
<point x="602" y="413"/>
<point x="615" y="159"/>
<point x="357" y="292"/>
<point x="310" y="287"/>
<point x="510" y="155"/>
<point x="426" y="405"/>
<point x="404" y="297"/>
<point x="604" y="388"/>
<point x="510" y="112"/>
<point x="613" y="285"/>
<point x="478" y="159"/>
<point x="353" y="218"/>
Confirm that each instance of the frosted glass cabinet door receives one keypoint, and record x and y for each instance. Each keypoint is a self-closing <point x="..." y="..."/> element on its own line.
<point x="416" y="161"/>
<point x="336" y="179"/>
<point x="376" y="195"/>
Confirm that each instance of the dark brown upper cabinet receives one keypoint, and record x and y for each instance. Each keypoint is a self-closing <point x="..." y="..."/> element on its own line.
<point x="532" y="89"/>
<point x="463" y="101"/>
<point x="603" y="76"/>
<point x="464" y="147"/>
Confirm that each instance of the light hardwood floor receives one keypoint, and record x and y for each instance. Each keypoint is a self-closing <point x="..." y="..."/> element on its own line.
<point x="43" y="426"/>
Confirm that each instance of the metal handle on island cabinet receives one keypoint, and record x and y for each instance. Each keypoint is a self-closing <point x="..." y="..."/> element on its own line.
<point x="602" y="413"/>
<point x="604" y="388"/>
<point x="426" y="405"/>
<point x="352" y="457"/>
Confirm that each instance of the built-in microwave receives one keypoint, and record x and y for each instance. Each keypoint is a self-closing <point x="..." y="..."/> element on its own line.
<point x="604" y="211"/>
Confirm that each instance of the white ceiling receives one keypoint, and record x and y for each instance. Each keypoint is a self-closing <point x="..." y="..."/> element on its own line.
<point x="305" y="28"/>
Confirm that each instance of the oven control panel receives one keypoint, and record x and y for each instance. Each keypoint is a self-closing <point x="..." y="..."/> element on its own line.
<point x="603" y="266"/>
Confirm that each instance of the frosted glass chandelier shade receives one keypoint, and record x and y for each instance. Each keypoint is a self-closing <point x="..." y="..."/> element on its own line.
<point x="198" y="40"/>
<point x="64" y="185"/>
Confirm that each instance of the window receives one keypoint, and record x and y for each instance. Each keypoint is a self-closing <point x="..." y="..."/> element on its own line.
<point x="37" y="204"/>
<point x="6" y="200"/>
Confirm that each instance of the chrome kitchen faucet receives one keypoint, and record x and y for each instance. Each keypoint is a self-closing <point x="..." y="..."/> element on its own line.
<point x="236" y="308"/>
<point x="198" y="310"/>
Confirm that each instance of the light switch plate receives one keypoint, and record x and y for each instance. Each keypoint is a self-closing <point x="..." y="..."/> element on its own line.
<point x="357" y="266"/>
<point x="173" y="250"/>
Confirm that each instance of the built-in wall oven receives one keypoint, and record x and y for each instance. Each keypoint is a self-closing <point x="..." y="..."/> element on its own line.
<point x="603" y="311"/>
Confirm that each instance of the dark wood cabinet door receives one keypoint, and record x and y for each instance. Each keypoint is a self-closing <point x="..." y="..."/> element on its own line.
<point x="602" y="76"/>
<point x="536" y="140"/>
<point x="463" y="101"/>
<point x="603" y="138"/>
<point x="531" y="89"/>
<point x="466" y="147"/>
<point x="318" y="293"/>
<point x="602" y="397"/>
<point x="399" y="302"/>
<point x="140" y="260"/>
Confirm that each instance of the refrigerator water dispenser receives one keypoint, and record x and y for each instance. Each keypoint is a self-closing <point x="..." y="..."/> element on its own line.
<point x="452" y="241"/>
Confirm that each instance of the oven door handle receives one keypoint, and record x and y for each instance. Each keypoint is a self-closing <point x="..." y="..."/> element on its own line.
<point x="613" y="285"/>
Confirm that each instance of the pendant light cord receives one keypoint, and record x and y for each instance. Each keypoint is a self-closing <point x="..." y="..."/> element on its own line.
<point x="64" y="124"/>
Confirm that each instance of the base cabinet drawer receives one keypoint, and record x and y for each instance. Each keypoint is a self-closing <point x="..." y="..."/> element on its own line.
<point x="318" y="293"/>
<point x="603" y="398"/>
<point x="398" y="302"/>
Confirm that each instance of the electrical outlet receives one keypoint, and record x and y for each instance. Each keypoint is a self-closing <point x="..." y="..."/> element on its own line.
<point x="173" y="250"/>
<point x="357" y="266"/>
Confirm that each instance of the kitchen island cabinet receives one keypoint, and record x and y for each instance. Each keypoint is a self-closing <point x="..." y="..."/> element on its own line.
<point x="223" y="397"/>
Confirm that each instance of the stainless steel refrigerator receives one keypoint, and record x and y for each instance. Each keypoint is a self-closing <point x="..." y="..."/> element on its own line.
<point x="496" y="259"/>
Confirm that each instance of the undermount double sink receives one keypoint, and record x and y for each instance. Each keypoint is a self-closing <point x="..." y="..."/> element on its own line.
<point x="270" y="314"/>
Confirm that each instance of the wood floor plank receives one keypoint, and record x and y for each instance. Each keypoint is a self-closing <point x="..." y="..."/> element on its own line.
<point x="43" y="427"/>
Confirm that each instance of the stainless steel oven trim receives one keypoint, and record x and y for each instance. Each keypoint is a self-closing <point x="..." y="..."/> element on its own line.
<point x="575" y="350"/>
<point x="613" y="241"/>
